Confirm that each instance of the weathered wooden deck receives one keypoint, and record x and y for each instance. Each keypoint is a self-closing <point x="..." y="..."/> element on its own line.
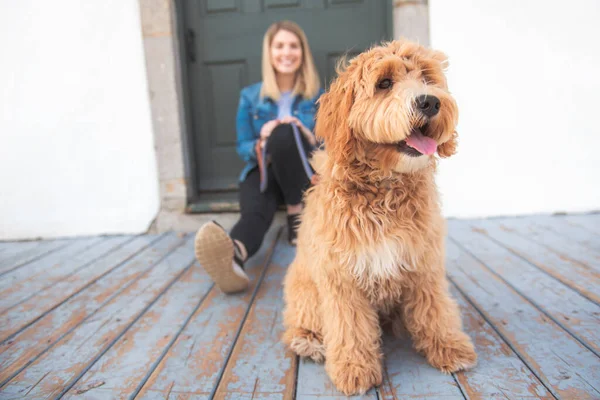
<point x="136" y="317"/>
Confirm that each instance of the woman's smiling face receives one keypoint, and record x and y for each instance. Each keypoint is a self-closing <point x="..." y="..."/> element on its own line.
<point x="286" y="53"/>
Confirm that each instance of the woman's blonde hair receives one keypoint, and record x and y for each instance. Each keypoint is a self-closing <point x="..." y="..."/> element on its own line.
<point x="307" y="79"/>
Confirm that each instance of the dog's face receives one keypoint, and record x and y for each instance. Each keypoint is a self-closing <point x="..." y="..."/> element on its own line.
<point x="390" y="109"/>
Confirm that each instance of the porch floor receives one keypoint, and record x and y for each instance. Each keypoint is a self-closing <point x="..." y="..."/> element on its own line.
<point x="136" y="317"/>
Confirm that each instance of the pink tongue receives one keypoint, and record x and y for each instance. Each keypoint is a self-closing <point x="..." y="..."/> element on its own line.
<point x="417" y="141"/>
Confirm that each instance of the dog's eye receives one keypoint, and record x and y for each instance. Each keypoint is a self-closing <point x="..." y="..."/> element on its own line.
<point x="385" y="84"/>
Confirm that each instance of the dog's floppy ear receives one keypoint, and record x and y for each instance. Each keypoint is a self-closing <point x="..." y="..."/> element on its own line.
<point x="448" y="148"/>
<point x="332" y="117"/>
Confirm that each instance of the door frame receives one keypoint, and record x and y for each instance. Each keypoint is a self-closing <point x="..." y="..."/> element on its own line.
<point x="189" y="145"/>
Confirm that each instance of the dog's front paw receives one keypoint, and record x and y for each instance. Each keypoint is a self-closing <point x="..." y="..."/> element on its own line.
<point x="306" y="343"/>
<point x="453" y="354"/>
<point x="354" y="378"/>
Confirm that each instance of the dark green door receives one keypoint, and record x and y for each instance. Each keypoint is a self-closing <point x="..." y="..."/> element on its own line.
<point x="223" y="45"/>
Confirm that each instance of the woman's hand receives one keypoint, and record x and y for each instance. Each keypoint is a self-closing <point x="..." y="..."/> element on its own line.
<point x="305" y="131"/>
<point x="266" y="131"/>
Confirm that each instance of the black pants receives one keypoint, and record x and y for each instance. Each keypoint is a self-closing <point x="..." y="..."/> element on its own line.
<point x="286" y="184"/>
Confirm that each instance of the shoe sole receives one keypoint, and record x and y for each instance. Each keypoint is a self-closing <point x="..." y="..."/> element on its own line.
<point x="214" y="251"/>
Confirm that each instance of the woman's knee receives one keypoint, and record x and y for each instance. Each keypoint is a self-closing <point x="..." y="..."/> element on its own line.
<point x="281" y="139"/>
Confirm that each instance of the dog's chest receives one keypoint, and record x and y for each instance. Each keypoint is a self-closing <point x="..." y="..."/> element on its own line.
<point x="381" y="261"/>
<point x="379" y="271"/>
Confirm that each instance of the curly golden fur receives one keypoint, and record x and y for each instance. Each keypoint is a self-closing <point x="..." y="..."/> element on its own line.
<point x="371" y="243"/>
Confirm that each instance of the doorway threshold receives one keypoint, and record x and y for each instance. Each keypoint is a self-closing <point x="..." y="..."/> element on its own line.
<point x="214" y="203"/>
<point x="217" y="202"/>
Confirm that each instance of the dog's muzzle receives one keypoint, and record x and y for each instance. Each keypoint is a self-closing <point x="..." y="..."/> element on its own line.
<point x="418" y="142"/>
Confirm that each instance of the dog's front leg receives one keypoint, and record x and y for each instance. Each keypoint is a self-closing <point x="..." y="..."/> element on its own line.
<point x="433" y="320"/>
<point x="352" y="337"/>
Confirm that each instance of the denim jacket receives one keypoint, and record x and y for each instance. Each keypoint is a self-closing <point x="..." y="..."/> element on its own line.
<point x="254" y="112"/>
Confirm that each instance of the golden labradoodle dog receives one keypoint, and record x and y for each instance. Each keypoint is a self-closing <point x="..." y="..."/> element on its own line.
<point x="371" y="243"/>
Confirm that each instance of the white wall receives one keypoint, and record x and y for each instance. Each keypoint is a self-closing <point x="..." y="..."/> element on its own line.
<point x="76" y="148"/>
<point x="525" y="75"/>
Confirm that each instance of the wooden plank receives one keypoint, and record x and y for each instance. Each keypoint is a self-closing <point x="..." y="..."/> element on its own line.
<point x="9" y="249"/>
<point x="567" y="307"/>
<point x="62" y="365"/>
<point x="260" y="366"/>
<point x="408" y="375"/>
<point x="529" y="230"/>
<point x="39" y="303"/>
<point x="591" y="222"/>
<point x="573" y="274"/>
<point x="565" y="366"/>
<point x="499" y="373"/>
<point x="12" y="261"/>
<point x="193" y="366"/>
<point x="569" y="231"/>
<point x="131" y="358"/>
<point x="314" y="383"/>
<point x="48" y="262"/>
<point x="17" y="352"/>
<point x="27" y="287"/>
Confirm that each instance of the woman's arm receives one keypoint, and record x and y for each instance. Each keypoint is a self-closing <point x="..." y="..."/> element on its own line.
<point x="246" y="139"/>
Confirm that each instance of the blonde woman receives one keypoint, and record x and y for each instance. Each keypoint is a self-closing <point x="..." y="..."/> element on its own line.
<point x="275" y="123"/>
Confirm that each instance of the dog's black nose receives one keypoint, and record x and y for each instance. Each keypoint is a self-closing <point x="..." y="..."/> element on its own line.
<point x="428" y="105"/>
